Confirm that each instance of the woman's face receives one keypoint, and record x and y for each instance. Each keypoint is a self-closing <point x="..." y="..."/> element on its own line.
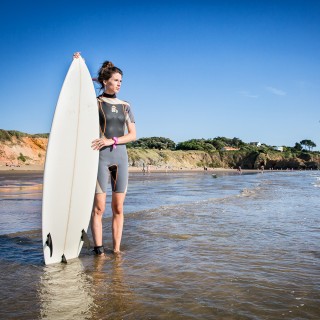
<point x="113" y="85"/>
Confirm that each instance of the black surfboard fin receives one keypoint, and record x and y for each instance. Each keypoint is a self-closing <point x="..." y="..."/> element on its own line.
<point x="63" y="259"/>
<point x="85" y="239"/>
<point x="49" y="243"/>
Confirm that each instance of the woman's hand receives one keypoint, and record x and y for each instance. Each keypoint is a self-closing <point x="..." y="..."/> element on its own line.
<point x="102" y="142"/>
<point x="76" y="55"/>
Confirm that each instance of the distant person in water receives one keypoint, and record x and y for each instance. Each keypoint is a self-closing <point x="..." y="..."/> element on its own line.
<point x="114" y="116"/>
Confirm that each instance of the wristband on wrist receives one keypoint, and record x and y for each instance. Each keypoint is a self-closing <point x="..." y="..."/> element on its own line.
<point x="115" y="139"/>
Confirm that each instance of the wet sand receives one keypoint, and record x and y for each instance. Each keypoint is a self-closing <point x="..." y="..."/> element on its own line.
<point x="31" y="168"/>
<point x="40" y="168"/>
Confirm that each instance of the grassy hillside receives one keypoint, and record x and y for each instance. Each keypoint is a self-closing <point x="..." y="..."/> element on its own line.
<point x="8" y="135"/>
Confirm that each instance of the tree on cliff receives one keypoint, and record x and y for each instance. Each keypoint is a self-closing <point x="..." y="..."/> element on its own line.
<point x="308" y="143"/>
<point x="153" y="143"/>
<point x="195" y="144"/>
<point x="297" y="146"/>
<point x="220" y="142"/>
<point x="210" y="144"/>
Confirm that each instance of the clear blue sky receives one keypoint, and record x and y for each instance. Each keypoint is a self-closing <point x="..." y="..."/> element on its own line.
<point x="192" y="69"/>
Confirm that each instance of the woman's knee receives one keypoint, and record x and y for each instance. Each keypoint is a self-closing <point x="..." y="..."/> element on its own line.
<point x="117" y="208"/>
<point x="98" y="209"/>
<point x="99" y="205"/>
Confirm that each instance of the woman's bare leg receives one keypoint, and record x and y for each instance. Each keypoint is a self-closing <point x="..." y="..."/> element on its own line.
<point x="117" y="219"/>
<point x="96" y="218"/>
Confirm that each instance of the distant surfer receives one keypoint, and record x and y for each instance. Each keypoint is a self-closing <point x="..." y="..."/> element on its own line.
<point x="114" y="116"/>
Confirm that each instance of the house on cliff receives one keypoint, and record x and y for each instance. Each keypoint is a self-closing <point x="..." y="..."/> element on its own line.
<point x="229" y="149"/>
<point x="256" y="144"/>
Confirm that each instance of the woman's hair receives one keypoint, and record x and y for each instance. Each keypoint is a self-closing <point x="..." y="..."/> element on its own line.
<point x="106" y="71"/>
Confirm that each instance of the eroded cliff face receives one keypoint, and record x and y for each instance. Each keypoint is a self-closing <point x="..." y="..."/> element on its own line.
<point x="171" y="159"/>
<point x="25" y="150"/>
<point x="225" y="159"/>
<point x="269" y="160"/>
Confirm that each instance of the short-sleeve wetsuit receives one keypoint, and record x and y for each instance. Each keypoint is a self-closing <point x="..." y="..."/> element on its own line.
<point x="114" y="116"/>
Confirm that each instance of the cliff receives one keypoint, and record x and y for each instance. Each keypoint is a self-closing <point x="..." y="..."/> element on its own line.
<point x="18" y="148"/>
<point x="22" y="149"/>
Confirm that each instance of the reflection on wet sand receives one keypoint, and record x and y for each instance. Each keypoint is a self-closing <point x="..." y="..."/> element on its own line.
<point x="112" y="294"/>
<point x="17" y="189"/>
<point x="65" y="292"/>
<point x="97" y="291"/>
<point x="32" y="191"/>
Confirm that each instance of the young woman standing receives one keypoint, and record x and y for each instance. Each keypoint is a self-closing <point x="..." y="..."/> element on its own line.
<point x="115" y="116"/>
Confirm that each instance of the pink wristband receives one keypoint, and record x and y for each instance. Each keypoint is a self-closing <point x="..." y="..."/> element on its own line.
<point x="115" y="139"/>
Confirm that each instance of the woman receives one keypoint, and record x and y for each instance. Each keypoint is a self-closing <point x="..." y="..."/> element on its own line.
<point x="114" y="116"/>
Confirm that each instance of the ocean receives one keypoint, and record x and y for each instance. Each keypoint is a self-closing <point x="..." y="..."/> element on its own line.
<point x="194" y="247"/>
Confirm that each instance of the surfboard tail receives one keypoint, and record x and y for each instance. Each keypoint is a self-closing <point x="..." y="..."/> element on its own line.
<point x="85" y="239"/>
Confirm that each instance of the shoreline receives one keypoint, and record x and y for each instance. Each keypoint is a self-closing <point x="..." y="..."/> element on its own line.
<point x="152" y="169"/>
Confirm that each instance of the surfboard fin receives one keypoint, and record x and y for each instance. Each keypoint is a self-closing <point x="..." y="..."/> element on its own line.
<point x="63" y="259"/>
<point x="49" y="243"/>
<point x="85" y="239"/>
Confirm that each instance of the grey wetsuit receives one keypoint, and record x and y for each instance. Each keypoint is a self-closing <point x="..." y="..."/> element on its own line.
<point x="114" y="116"/>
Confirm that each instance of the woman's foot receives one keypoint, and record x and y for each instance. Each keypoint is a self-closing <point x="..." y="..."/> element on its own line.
<point x="99" y="250"/>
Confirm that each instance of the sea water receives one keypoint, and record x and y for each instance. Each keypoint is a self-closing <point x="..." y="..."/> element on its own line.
<point x="194" y="247"/>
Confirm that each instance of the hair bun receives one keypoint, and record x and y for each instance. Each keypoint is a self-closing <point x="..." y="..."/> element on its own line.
<point x="107" y="65"/>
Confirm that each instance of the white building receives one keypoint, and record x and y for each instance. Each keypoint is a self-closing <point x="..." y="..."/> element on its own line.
<point x="256" y="144"/>
<point x="278" y="148"/>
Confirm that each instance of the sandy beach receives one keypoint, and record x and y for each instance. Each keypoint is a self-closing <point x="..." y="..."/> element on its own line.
<point x="30" y="168"/>
<point x="152" y="169"/>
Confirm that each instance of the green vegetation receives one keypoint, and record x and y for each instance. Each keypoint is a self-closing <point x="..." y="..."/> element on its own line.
<point x="7" y="135"/>
<point x="210" y="144"/>
<point x="196" y="144"/>
<point x="217" y="144"/>
<point x="22" y="157"/>
<point x="40" y="135"/>
<point x="308" y="143"/>
<point x="159" y="143"/>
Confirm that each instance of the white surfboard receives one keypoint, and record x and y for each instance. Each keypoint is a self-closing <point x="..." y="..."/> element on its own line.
<point x="71" y="167"/>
